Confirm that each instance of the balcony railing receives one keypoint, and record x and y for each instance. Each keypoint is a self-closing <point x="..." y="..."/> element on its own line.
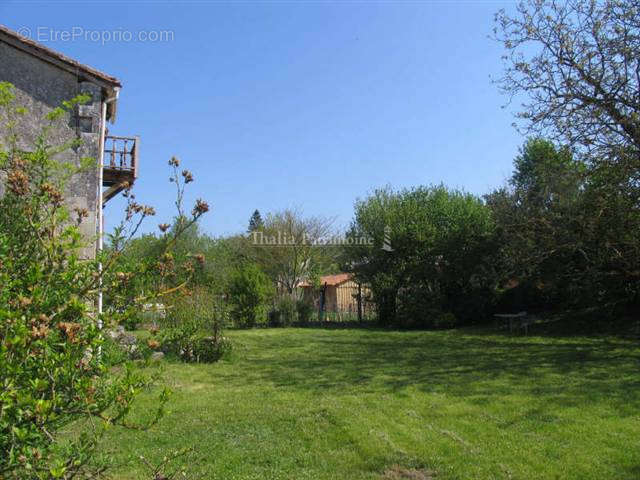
<point x="121" y="153"/>
<point x="119" y="164"/>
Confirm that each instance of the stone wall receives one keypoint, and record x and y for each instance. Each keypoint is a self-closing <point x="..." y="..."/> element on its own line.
<point x="40" y="87"/>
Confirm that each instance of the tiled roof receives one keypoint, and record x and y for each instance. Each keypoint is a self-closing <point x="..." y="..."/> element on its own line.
<point x="331" y="280"/>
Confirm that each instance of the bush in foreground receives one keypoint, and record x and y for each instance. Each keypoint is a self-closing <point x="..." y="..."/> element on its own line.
<point x="52" y="372"/>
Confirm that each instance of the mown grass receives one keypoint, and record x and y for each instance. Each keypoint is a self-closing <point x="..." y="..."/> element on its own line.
<point x="349" y="404"/>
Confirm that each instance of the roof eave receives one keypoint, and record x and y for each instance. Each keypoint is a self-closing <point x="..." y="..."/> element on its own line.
<point x="109" y="84"/>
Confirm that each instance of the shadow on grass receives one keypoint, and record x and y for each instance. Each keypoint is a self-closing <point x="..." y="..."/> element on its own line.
<point x="568" y="372"/>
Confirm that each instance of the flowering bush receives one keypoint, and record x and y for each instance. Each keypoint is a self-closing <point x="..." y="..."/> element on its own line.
<point x="52" y="371"/>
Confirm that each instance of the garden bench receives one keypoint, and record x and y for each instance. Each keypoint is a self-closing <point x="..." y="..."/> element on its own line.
<point x="516" y="320"/>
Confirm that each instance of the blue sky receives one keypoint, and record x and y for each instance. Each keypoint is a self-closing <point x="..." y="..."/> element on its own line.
<point x="295" y="104"/>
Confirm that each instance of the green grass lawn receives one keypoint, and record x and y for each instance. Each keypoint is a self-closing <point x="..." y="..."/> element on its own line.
<point x="349" y="404"/>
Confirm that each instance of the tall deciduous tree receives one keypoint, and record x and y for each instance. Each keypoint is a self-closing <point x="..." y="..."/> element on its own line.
<point x="430" y="254"/>
<point x="289" y="247"/>
<point x="578" y="62"/>
<point x="539" y="216"/>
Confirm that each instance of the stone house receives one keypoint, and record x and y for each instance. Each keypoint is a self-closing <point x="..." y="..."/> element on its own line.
<point x="43" y="79"/>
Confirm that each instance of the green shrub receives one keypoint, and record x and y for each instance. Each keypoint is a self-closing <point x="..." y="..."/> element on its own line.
<point x="192" y="329"/>
<point x="133" y="320"/>
<point x="305" y="311"/>
<point x="288" y="311"/>
<point x="445" y="320"/>
<point x="210" y="349"/>
<point x="284" y="313"/>
<point x="249" y="291"/>
<point x="140" y="351"/>
<point x="189" y="344"/>
<point x="112" y="353"/>
<point x="200" y="307"/>
<point x="273" y="318"/>
<point x="415" y="310"/>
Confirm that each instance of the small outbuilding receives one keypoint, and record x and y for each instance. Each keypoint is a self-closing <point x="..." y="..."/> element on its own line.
<point x="339" y="293"/>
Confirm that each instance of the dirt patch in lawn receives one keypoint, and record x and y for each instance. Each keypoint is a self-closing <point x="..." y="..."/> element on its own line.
<point x="400" y="473"/>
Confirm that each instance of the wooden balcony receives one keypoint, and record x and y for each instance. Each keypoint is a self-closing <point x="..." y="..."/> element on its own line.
<point x="120" y="164"/>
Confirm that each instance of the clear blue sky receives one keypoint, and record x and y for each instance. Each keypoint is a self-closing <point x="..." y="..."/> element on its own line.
<point x="308" y="104"/>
